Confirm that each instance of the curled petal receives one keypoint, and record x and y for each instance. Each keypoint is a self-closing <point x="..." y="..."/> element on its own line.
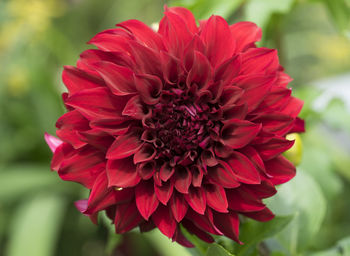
<point x="124" y="146"/>
<point x="273" y="147"/>
<point x="146" y="153"/>
<point x="183" y="180"/>
<point x="149" y="88"/>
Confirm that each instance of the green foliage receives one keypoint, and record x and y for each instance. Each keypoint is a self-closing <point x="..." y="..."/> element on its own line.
<point x="35" y="226"/>
<point x="261" y="231"/>
<point x="217" y="250"/>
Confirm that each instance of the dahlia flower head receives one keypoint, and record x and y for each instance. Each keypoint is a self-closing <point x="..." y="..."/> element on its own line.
<point x="184" y="126"/>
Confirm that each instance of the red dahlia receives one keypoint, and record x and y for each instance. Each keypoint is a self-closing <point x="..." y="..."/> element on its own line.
<point x="184" y="126"/>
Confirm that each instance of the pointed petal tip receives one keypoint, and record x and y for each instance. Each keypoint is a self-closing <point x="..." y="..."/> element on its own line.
<point x="52" y="142"/>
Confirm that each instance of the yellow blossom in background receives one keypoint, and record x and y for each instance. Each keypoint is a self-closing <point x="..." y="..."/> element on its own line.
<point x="30" y="16"/>
<point x="294" y="154"/>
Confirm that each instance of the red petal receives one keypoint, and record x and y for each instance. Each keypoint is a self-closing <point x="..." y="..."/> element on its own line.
<point x="122" y="173"/>
<point x="166" y="171"/>
<point x="242" y="200"/>
<point x="276" y="123"/>
<point x="203" y="222"/>
<point x="175" y="32"/>
<point x="113" y="40"/>
<point x="263" y="215"/>
<point x="76" y="80"/>
<point x="118" y="78"/>
<point x="164" y="220"/>
<point x="146" y="153"/>
<point x="208" y="158"/>
<point x="149" y="88"/>
<point x="101" y="196"/>
<point x="181" y="239"/>
<point x="68" y="127"/>
<point x="228" y="70"/>
<point x="200" y="72"/>
<point x="183" y="179"/>
<point x="146" y="199"/>
<point x="264" y="190"/>
<point x="217" y="37"/>
<point x="299" y="125"/>
<point x="216" y="197"/>
<point x="191" y="228"/>
<point x="196" y="199"/>
<point x="238" y="133"/>
<point x="230" y="95"/>
<point x="254" y="157"/>
<point x="228" y="223"/>
<point x="187" y="17"/>
<point x="147" y="60"/>
<point x="273" y="147"/>
<point x="91" y="56"/>
<point x="143" y="33"/>
<point x="243" y="168"/>
<point x="293" y="107"/>
<point x="222" y="175"/>
<point x="257" y="60"/>
<point x="124" y="146"/>
<point x="245" y="34"/>
<point x="126" y="217"/>
<point x="164" y="191"/>
<point x="178" y="206"/>
<point x="135" y="109"/>
<point x="97" y="103"/>
<point x="197" y="176"/>
<point x="146" y="169"/>
<point x="280" y="169"/>
<point x="235" y="111"/>
<point x="83" y="167"/>
<point x="255" y="88"/>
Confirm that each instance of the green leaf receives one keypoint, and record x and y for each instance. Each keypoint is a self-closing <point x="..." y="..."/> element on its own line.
<point x="253" y="232"/>
<point x="260" y="11"/>
<point x="303" y="197"/>
<point x="164" y="245"/>
<point x="341" y="249"/>
<point x="203" y="9"/>
<point x="16" y="181"/>
<point x="35" y="227"/>
<point x="217" y="250"/>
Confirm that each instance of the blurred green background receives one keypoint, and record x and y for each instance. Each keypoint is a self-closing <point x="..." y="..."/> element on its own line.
<point x="38" y="37"/>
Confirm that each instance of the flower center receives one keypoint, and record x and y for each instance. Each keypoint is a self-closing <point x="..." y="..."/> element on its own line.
<point x="179" y="130"/>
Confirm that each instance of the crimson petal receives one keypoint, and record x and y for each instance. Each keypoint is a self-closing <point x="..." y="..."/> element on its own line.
<point x="243" y="168"/>
<point x="122" y="173"/>
<point x="124" y="146"/>
<point x="196" y="199"/>
<point x="146" y="199"/>
<point x="216" y="197"/>
<point x="164" y="220"/>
